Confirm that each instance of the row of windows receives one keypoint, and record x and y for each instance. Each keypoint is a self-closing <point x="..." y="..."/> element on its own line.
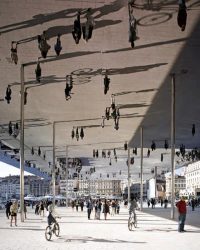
<point x="193" y="173"/>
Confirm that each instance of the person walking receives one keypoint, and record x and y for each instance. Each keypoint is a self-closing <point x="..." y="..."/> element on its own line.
<point x="7" y="206"/>
<point x="106" y="209"/>
<point x="193" y="204"/>
<point x="182" y="210"/>
<point x="25" y="210"/>
<point x="13" y="211"/>
<point x="89" y="208"/>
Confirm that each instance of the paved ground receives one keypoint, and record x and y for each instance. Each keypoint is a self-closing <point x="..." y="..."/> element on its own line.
<point x="77" y="232"/>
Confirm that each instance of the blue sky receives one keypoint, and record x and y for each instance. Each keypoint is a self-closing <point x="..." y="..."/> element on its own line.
<point x="6" y="170"/>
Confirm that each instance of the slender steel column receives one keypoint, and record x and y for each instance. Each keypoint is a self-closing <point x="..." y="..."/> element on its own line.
<point x="129" y="191"/>
<point x="54" y="165"/>
<point x="22" y="145"/>
<point x="66" y="176"/>
<point x="141" y="169"/>
<point x="172" y="145"/>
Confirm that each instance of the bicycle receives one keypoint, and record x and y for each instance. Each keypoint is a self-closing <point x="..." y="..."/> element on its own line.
<point x="51" y="229"/>
<point x="132" y="220"/>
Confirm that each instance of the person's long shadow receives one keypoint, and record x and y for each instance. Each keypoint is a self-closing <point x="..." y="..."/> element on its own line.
<point x="64" y="30"/>
<point x="66" y="13"/>
<point x="147" y="45"/>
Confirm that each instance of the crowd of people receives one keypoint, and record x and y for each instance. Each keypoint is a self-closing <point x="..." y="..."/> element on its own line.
<point x="97" y="206"/>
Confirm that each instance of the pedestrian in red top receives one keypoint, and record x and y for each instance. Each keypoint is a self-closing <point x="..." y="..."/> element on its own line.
<point x="182" y="210"/>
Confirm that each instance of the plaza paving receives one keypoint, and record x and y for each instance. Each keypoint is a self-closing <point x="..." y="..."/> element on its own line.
<point x="77" y="232"/>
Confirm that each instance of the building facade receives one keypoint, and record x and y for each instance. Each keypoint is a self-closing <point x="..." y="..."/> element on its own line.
<point x="10" y="186"/>
<point x="192" y="175"/>
<point x="180" y="184"/>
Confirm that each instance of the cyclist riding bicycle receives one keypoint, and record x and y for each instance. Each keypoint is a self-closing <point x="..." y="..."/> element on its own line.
<point x="52" y="214"/>
<point x="133" y="206"/>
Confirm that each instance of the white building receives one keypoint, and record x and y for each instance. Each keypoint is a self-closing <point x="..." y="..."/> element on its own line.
<point x="193" y="179"/>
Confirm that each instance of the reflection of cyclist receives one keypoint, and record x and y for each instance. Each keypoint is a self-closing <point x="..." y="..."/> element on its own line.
<point x="52" y="214"/>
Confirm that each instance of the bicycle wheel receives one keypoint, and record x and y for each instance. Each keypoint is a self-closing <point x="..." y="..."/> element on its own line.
<point x="56" y="229"/>
<point x="48" y="233"/>
<point x="130" y="224"/>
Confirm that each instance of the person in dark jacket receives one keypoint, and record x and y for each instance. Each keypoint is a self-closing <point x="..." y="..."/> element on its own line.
<point x="106" y="209"/>
<point x="7" y="206"/>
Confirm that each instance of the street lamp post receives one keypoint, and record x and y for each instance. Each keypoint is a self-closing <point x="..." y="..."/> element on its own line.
<point x="129" y="191"/>
<point x="54" y="163"/>
<point x="66" y="176"/>
<point x="22" y="144"/>
<point x="172" y="144"/>
<point x="141" y="169"/>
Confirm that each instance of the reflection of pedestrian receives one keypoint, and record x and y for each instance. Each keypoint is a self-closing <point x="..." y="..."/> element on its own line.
<point x="132" y="28"/>
<point x="58" y="46"/>
<point x="182" y="210"/>
<point x="43" y="45"/>
<point x="68" y="89"/>
<point x="182" y="15"/>
<point x="88" y="27"/>
<point x="106" y="83"/>
<point x="13" y="50"/>
<point x="8" y="94"/>
<point x="38" y="72"/>
<point x="76" y="32"/>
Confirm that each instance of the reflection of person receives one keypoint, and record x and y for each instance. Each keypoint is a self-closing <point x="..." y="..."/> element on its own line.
<point x="14" y="55"/>
<point x="76" y="32"/>
<point x="182" y="210"/>
<point x="182" y="15"/>
<point x="132" y="29"/>
<point x="43" y="45"/>
<point x="58" y="46"/>
<point x="88" y="27"/>
<point x="13" y="211"/>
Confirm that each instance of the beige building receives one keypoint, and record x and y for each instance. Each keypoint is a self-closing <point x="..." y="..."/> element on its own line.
<point x="92" y="187"/>
<point x="180" y="184"/>
<point x="108" y="187"/>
